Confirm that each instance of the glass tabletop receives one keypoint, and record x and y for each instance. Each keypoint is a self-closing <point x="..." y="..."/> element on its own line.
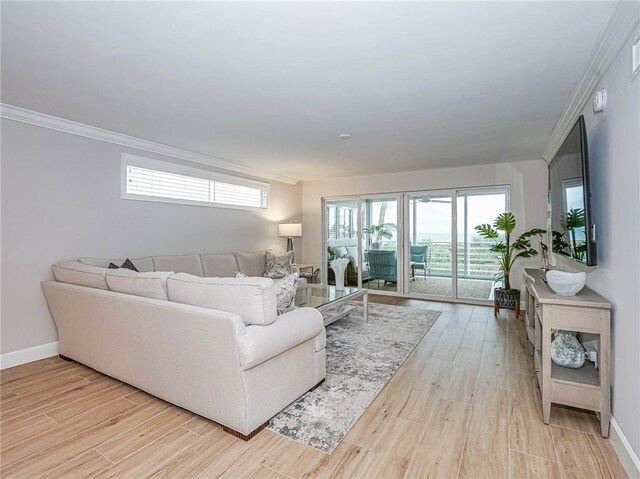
<point x="318" y="295"/>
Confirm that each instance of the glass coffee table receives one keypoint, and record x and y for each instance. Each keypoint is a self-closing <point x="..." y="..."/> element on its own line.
<point x="331" y="303"/>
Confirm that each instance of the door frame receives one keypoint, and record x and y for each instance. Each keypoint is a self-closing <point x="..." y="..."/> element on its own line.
<point x="454" y="251"/>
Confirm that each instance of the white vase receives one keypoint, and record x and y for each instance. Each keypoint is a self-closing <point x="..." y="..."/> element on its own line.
<point x="339" y="266"/>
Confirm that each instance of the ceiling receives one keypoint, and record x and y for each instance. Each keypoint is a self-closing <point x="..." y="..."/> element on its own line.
<point x="271" y="85"/>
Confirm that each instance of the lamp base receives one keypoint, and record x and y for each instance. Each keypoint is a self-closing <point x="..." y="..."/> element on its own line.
<point x="290" y="247"/>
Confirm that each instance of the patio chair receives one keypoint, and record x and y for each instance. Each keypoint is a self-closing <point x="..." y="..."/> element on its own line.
<point x="419" y="260"/>
<point x="383" y="265"/>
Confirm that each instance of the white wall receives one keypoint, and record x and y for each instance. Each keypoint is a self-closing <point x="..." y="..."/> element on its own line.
<point x="528" y="181"/>
<point x="614" y="156"/>
<point x="61" y="200"/>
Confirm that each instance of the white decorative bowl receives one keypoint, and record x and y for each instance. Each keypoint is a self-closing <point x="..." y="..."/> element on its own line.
<point x="566" y="284"/>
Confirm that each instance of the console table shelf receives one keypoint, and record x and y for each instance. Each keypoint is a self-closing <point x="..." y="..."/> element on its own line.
<point x="587" y="312"/>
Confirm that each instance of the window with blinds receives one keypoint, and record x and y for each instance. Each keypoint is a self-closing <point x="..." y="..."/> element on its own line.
<point x="154" y="180"/>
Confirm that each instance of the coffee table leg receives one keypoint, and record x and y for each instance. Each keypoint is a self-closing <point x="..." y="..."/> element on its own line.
<point x="365" y="305"/>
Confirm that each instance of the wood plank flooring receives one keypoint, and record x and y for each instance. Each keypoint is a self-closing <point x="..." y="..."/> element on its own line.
<point x="465" y="404"/>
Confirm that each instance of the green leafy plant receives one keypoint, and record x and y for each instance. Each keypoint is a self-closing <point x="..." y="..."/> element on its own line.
<point x="575" y="221"/>
<point x="383" y="230"/>
<point x="508" y="252"/>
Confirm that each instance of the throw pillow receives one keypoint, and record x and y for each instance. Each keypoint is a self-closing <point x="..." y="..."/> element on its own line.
<point x="278" y="266"/>
<point x="286" y="292"/>
<point x="126" y="265"/>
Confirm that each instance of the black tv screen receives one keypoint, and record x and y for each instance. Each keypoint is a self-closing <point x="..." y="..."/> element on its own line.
<point x="573" y="233"/>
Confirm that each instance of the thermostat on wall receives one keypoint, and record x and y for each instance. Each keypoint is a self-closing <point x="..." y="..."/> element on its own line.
<point x="600" y="101"/>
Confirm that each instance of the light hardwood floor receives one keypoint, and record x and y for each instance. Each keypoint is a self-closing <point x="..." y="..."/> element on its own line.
<point x="465" y="404"/>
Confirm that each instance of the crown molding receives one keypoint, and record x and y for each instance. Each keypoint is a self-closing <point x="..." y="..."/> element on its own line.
<point x="618" y="30"/>
<point x="23" y="115"/>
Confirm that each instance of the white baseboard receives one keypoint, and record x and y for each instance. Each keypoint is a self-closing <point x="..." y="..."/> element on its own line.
<point x="23" y="356"/>
<point x="627" y="455"/>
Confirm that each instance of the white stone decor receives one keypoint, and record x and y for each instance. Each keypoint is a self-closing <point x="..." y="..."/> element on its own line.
<point x="566" y="284"/>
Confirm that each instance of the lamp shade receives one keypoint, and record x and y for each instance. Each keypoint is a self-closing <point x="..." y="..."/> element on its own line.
<point x="289" y="230"/>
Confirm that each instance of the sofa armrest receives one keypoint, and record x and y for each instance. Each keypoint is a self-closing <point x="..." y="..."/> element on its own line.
<point x="261" y="343"/>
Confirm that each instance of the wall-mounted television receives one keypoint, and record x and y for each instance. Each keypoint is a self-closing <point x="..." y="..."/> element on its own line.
<point x="572" y="229"/>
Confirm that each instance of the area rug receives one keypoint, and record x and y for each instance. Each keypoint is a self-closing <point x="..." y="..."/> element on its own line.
<point x="361" y="358"/>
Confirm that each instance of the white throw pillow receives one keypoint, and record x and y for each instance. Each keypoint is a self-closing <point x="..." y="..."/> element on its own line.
<point x="148" y="285"/>
<point x="75" y="272"/>
<point x="254" y="299"/>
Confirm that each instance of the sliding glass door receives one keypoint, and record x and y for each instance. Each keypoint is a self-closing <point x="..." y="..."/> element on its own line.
<point x="381" y="234"/>
<point x="477" y="266"/>
<point x="420" y="244"/>
<point x="429" y="258"/>
<point x="341" y="237"/>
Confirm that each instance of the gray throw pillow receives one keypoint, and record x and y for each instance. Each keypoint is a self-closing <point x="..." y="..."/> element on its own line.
<point x="278" y="266"/>
<point x="286" y="292"/>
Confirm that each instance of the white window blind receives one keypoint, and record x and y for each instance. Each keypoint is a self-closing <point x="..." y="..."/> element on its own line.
<point x="160" y="181"/>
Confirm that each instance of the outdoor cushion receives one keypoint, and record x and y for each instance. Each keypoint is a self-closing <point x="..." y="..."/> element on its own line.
<point x="254" y="299"/>
<point x="220" y="265"/>
<point x="186" y="263"/>
<point x="75" y="272"/>
<point x="340" y="251"/>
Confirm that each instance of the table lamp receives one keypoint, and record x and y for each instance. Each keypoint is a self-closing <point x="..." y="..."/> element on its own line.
<point x="290" y="231"/>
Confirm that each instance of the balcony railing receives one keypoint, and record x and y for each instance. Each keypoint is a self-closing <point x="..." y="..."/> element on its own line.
<point x="475" y="260"/>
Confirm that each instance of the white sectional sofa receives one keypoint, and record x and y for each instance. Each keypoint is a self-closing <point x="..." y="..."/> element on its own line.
<point x="238" y="366"/>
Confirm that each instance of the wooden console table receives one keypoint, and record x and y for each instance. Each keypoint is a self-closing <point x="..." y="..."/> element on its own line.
<point x="587" y="312"/>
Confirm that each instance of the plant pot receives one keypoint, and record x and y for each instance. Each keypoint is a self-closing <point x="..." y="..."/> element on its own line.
<point x="506" y="298"/>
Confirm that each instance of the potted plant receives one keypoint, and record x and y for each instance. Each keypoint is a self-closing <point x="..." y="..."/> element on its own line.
<point x="508" y="253"/>
<point x="383" y="230"/>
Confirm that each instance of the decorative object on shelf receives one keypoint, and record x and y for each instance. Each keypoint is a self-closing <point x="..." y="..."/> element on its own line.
<point x="544" y="251"/>
<point x="290" y="231"/>
<point x="508" y="253"/>
<point x="566" y="350"/>
<point x="339" y="266"/>
<point x="566" y="284"/>
<point x="383" y="230"/>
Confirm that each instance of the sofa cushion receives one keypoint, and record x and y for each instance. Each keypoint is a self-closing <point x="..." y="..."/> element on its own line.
<point x="185" y="263"/>
<point x="220" y="265"/>
<point x="259" y="344"/>
<point x="285" y="290"/>
<point x="149" y="285"/>
<point x="254" y="299"/>
<point x="251" y="264"/>
<point x="75" y="272"/>
<point x="144" y="265"/>
<point x="278" y="266"/>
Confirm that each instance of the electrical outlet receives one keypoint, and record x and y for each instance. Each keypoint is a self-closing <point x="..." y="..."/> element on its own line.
<point x="592" y="355"/>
